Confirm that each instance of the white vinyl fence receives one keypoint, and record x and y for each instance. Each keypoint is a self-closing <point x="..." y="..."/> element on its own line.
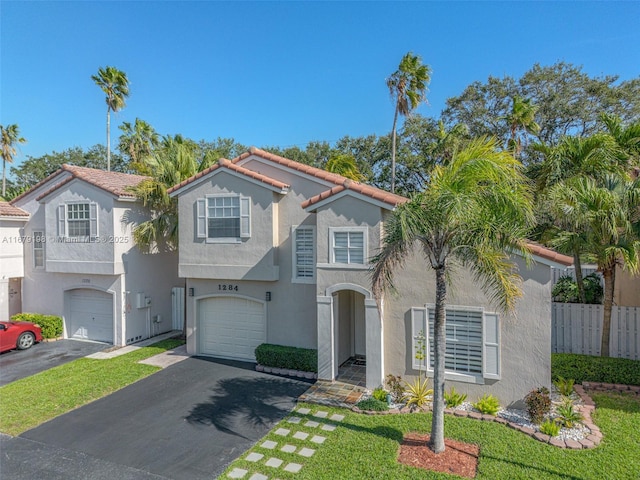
<point x="577" y="328"/>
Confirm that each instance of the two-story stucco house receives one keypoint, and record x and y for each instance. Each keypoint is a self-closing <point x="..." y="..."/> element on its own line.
<point x="81" y="262"/>
<point x="12" y="221"/>
<point x="276" y="251"/>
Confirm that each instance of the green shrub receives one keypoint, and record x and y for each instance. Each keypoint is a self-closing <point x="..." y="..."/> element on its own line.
<point x="418" y="392"/>
<point x="372" y="404"/>
<point x="538" y="404"/>
<point x="453" y="398"/>
<point x="567" y="415"/>
<point x="51" y="324"/>
<point x="293" y="358"/>
<point x="380" y="394"/>
<point x="488" y="404"/>
<point x="585" y="368"/>
<point x="395" y="386"/>
<point x="564" y="385"/>
<point x="566" y="289"/>
<point x="550" y="428"/>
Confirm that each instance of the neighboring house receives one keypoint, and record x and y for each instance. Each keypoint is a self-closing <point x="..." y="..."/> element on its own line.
<point x="276" y="251"/>
<point x="626" y="291"/>
<point x="12" y="221"/>
<point x="81" y="262"/>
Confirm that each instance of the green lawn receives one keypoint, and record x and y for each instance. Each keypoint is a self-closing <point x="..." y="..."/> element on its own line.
<point x="28" y="402"/>
<point x="366" y="447"/>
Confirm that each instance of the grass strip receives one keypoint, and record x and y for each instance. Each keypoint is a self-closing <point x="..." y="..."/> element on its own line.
<point x="31" y="401"/>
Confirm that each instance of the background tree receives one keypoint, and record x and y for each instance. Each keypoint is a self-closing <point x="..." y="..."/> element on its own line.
<point x="521" y="120"/>
<point x="408" y="89"/>
<point x="9" y="136"/>
<point x="344" y="165"/>
<point x="473" y="210"/>
<point x="115" y="84"/>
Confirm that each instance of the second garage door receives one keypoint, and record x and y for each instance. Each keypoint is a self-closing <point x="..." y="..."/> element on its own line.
<point x="90" y="315"/>
<point x="231" y="327"/>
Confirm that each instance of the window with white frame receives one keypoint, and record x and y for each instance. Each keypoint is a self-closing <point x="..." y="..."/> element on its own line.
<point x="38" y="249"/>
<point x="304" y="239"/>
<point x="223" y="217"/>
<point x="348" y="245"/>
<point x="472" y="342"/>
<point x="78" y="220"/>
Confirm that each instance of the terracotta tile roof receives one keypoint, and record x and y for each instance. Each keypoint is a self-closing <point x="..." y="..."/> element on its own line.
<point x="116" y="183"/>
<point x="342" y="183"/>
<point x="8" y="210"/>
<point x="224" y="163"/>
<point x="544" y="252"/>
<point x="37" y="185"/>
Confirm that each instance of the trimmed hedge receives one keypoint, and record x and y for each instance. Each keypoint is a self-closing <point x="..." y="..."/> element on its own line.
<point x="586" y="368"/>
<point x="51" y="324"/>
<point x="280" y="356"/>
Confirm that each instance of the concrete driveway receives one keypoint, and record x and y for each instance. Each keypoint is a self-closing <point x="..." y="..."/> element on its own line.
<point x="17" y="364"/>
<point x="188" y="421"/>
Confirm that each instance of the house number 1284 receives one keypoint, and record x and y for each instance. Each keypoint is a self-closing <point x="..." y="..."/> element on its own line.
<point x="227" y="287"/>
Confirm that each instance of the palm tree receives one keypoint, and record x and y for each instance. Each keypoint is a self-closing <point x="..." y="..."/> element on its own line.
<point x="474" y="209"/>
<point x="10" y="136"/>
<point x="609" y="213"/>
<point x="344" y="165"/>
<point x="115" y="84"/>
<point x="408" y="89"/>
<point x="521" y="118"/>
<point x="138" y="141"/>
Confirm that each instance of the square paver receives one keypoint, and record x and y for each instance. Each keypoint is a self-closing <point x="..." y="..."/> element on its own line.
<point x="258" y="476"/>
<point x="311" y="424"/>
<point x="294" y="420"/>
<point x="321" y="414"/>
<point x="337" y="417"/>
<point x="254" y="457"/>
<point x="306" y="452"/>
<point x="274" y="462"/>
<point x="300" y="435"/>
<point x="303" y="411"/>
<point x="288" y="448"/>
<point x="293" y="467"/>
<point x="329" y="427"/>
<point x="318" y="439"/>
<point x="237" y="473"/>
<point x="269" y="444"/>
<point x="283" y="432"/>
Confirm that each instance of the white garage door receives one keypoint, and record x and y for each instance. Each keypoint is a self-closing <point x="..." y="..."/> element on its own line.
<point x="231" y="327"/>
<point x="90" y="315"/>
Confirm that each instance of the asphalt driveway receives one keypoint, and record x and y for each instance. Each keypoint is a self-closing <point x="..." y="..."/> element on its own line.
<point x="188" y="421"/>
<point x="17" y="364"/>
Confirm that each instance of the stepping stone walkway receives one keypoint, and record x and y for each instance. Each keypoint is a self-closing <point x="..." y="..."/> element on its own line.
<point x="268" y="468"/>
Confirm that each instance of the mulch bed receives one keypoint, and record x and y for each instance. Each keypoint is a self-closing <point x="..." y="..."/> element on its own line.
<point x="458" y="458"/>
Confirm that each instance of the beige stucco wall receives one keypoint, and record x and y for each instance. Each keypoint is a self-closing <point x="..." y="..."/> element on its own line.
<point x="627" y="289"/>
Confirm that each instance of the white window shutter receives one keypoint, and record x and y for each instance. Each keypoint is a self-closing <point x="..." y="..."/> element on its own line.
<point x="201" y="213"/>
<point x="93" y="219"/>
<point x="418" y="324"/>
<point x="245" y="217"/>
<point x="491" y="361"/>
<point x="62" y="220"/>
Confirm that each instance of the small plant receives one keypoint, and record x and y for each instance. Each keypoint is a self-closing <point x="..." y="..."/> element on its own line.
<point x="394" y="384"/>
<point x="380" y="394"/>
<point x="567" y="415"/>
<point x="551" y="428"/>
<point x="372" y="404"/>
<point x="538" y="404"/>
<point x="488" y="404"/>
<point x="418" y="393"/>
<point x="564" y="386"/>
<point x="453" y="398"/>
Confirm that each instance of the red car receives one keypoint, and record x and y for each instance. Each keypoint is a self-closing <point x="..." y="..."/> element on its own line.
<point x="20" y="335"/>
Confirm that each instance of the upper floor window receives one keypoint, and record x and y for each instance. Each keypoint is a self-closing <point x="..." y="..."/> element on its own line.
<point x="38" y="249"/>
<point x="78" y="220"/>
<point x="349" y="245"/>
<point x="223" y="217"/>
<point x="304" y="256"/>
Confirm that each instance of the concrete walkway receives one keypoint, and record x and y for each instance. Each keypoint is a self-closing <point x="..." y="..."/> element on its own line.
<point x="116" y="352"/>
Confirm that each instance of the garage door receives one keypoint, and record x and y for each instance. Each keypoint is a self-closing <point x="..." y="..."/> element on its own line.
<point x="90" y="315"/>
<point x="231" y="327"/>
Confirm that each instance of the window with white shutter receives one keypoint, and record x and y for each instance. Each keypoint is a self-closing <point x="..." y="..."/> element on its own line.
<point x="223" y="218"/>
<point x="304" y="256"/>
<point x="78" y="221"/>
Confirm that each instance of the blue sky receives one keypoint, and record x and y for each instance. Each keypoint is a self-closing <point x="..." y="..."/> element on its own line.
<point x="278" y="73"/>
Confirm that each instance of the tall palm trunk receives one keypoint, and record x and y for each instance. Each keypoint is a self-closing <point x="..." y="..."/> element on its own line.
<point x="578" y="269"/>
<point x="439" y="345"/>
<point x="609" y="276"/>
<point x="108" y="139"/>
<point x="4" y="178"/>
<point x="393" y="151"/>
